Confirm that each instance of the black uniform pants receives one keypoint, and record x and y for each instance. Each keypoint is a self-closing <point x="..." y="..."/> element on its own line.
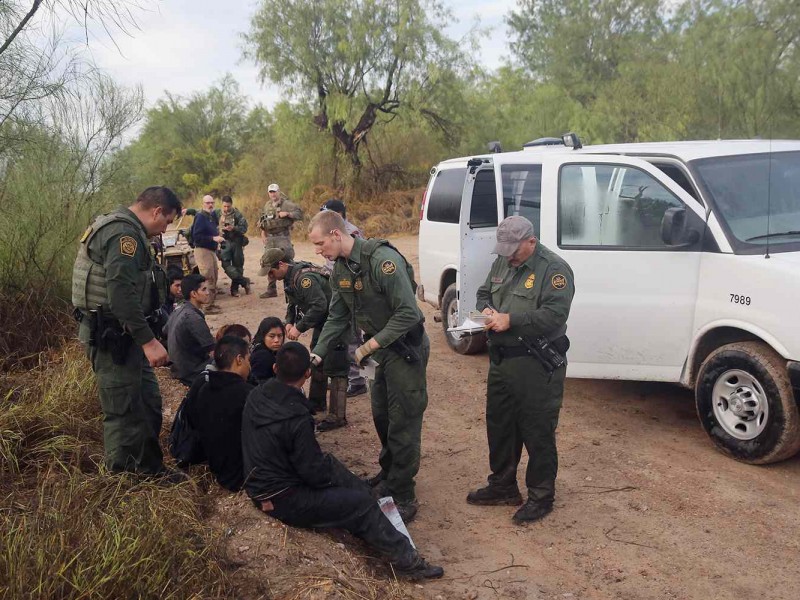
<point x="348" y="505"/>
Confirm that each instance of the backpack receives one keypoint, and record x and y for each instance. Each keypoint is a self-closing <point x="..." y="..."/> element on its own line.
<point x="184" y="440"/>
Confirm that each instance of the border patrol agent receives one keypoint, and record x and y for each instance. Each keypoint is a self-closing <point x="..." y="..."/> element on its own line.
<point x="308" y="295"/>
<point x="233" y="227"/>
<point x="276" y="223"/>
<point x="117" y="288"/>
<point x="372" y="289"/>
<point x="526" y="297"/>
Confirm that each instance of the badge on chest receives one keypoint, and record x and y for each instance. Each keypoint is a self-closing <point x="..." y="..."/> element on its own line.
<point x="530" y="281"/>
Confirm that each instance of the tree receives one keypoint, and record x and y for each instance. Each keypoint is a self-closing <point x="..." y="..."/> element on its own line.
<point x="359" y="62"/>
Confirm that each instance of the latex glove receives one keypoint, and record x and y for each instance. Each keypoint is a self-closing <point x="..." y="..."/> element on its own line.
<point x="315" y="360"/>
<point x="362" y="352"/>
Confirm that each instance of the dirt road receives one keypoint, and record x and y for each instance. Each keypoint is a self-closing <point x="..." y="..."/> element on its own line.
<point x="645" y="508"/>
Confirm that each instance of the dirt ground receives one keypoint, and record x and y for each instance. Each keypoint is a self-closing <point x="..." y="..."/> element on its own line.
<point x="645" y="508"/>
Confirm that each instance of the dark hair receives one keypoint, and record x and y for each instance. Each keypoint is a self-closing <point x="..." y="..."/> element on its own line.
<point x="336" y="206"/>
<point x="227" y="349"/>
<point x="235" y="329"/>
<point x="291" y="362"/>
<point x="157" y="195"/>
<point x="227" y="199"/>
<point x="266" y="326"/>
<point x="174" y="274"/>
<point x="191" y="283"/>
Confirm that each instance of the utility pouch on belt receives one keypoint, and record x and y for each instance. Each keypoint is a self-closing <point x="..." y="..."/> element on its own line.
<point x="110" y="337"/>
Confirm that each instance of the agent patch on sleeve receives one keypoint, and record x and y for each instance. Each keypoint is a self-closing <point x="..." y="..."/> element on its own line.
<point x="559" y="281"/>
<point x="127" y="246"/>
<point x="388" y="267"/>
<point x="305" y="283"/>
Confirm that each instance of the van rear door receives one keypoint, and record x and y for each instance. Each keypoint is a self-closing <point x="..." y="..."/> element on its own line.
<point x="636" y="284"/>
<point x="478" y="223"/>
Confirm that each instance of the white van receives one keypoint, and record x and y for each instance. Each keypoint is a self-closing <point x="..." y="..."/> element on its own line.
<point x="686" y="258"/>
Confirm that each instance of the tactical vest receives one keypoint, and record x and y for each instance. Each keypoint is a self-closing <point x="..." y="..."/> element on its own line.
<point x="307" y="267"/>
<point x="368" y="249"/>
<point x="89" y="277"/>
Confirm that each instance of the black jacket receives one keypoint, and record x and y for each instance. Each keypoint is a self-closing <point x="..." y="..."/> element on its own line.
<point x="261" y="361"/>
<point x="278" y="444"/>
<point x="214" y="409"/>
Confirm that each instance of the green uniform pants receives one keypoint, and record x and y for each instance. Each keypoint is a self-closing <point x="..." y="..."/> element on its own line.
<point x="333" y="366"/>
<point x="131" y="404"/>
<point x="232" y="257"/>
<point x="399" y="400"/>
<point x="522" y="407"/>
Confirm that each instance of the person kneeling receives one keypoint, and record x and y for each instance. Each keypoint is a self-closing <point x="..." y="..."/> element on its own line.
<point x="288" y="476"/>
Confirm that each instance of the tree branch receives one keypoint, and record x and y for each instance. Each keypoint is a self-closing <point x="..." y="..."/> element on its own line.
<point x="21" y="26"/>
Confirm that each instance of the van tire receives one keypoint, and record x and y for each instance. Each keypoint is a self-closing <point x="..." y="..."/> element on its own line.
<point x="762" y="374"/>
<point x="468" y="344"/>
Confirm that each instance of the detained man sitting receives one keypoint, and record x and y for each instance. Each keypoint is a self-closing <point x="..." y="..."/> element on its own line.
<point x="288" y="476"/>
<point x="214" y="409"/>
<point x="189" y="340"/>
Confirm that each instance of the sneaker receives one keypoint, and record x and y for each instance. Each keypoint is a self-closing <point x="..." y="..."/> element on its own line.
<point x="407" y="509"/>
<point x="330" y="423"/>
<point x="495" y="495"/>
<point x="532" y="511"/>
<point x="356" y="390"/>
<point x="269" y="294"/>
<point x="246" y="286"/>
<point x="418" y="570"/>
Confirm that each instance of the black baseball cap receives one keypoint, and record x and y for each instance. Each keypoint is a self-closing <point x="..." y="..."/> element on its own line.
<point x="335" y="205"/>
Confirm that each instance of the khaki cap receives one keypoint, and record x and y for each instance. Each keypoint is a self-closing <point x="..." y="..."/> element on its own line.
<point x="273" y="187"/>
<point x="510" y="232"/>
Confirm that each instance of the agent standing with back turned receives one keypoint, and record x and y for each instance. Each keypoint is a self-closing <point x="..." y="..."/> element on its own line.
<point x="526" y="297"/>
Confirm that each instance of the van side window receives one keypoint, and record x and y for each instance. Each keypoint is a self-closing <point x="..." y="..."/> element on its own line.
<point x="677" y="175"/>
<point x="444" y="205"/>
<point x="483" y="209"/>
<point x="611" y="205"/>
<point x="522" y="192"/>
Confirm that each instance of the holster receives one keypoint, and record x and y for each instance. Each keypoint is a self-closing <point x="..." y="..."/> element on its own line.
<point x="116" y="341"/>
<point x="408" y="345"/>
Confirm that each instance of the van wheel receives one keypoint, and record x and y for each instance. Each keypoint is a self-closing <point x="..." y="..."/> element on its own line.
<point x="468" y="344"/>
<point x="746" y="404"/>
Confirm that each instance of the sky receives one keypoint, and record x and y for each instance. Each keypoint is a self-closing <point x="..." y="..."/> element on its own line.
<point x="185" y="46"/>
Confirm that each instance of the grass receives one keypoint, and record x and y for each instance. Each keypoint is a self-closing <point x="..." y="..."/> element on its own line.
<point x="70" y="530"/>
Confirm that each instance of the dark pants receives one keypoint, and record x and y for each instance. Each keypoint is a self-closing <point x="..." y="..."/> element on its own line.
<point x="348" y="505"/>
<point x="131" y="404"/>
<point x="522" y="408"/>
<point x="399" y="400"/>
<point x="232" y="257"/>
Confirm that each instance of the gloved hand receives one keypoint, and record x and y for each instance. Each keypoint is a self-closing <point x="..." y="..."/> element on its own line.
<point x="362" y="352"/>
<point x="315" y="360"/>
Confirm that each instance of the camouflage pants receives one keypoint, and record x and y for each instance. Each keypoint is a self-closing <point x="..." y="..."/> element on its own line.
<point x="284" y="242"/>
<point x="131" y="404"/>
<point x="522" y="409"/>
<point x="399" y="400"/>
<point x="232" y="257"/>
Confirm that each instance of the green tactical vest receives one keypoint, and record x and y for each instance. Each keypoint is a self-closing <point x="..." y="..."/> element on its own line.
<point x="89" y="277"/>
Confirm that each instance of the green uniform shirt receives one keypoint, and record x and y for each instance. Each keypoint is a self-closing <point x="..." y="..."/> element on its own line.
<point x="309" y="294"/>
<point x="537" y="295"/>
<point x="377" y="289"/>
<point x="128" y="265"/>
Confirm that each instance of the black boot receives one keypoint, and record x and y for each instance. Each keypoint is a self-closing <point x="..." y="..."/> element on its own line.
<point x="414" y="568"/>
<point x="375" y="479"/>
<point x="532" y="511"/>
<point x="495" y="495"/>
<point x="407" y="509"/>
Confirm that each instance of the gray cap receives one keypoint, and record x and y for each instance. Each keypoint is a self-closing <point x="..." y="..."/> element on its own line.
<point x="510" y="232"/>
<point x="273" y="187"/>
<point x="270" y="260"/>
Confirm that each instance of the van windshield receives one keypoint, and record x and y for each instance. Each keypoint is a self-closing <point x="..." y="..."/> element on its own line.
<point x="756" y="198"/>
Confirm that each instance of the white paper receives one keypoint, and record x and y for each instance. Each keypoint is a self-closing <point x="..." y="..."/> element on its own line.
<point x="368" y="370"/>
<point x="390" y="510"/>
<point x="469" y="326"/>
